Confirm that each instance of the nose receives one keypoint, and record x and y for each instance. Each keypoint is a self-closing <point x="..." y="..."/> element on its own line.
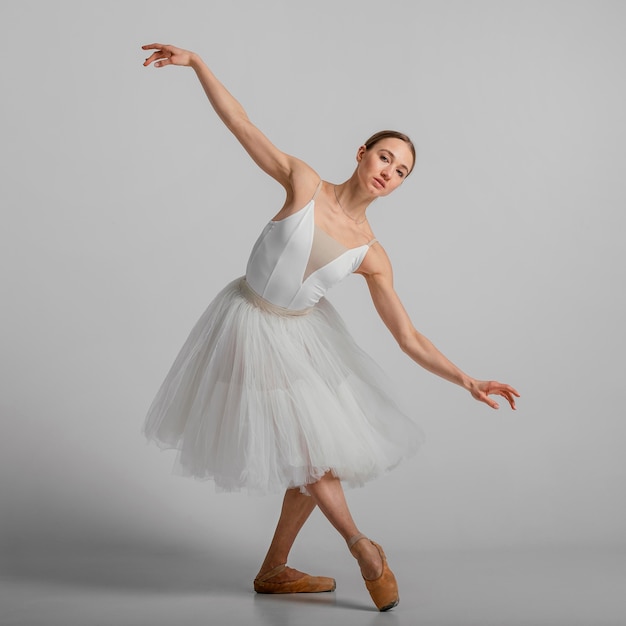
<point x="386" y="172"/>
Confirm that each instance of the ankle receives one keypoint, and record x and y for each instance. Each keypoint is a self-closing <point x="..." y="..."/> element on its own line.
<point x="353" y="541"/>
<point x="271" y="564"/>
<point x="270" y="573"/>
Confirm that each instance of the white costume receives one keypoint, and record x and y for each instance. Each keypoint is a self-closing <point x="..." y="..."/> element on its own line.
<point x="270" y="391"/>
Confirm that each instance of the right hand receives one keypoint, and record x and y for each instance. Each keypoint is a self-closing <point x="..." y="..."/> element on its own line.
<point x="167" y="55"/>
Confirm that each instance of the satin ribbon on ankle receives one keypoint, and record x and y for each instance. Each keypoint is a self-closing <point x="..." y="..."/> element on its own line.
<point x="355" y="539"/>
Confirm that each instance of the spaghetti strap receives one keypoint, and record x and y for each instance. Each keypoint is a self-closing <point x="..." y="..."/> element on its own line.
<point x="317" y="190"/>
<point x="371" y="243"/>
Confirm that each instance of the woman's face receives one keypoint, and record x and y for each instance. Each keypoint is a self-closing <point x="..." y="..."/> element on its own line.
<point x="384" y="166"/>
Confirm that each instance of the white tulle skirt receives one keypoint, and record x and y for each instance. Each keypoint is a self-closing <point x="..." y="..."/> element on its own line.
<point x="263" y="400"/>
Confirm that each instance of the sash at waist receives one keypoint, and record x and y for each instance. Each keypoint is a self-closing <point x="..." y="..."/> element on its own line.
<point x="253" y="297"/>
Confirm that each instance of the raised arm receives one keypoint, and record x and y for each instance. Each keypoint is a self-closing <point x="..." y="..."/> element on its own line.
<point x="379" y="276"/>
<point x="270" y="159"/>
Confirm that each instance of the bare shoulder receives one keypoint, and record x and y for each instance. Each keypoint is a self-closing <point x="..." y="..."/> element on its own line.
<point x="303" y="181"/>
<point x="376" y="265"/>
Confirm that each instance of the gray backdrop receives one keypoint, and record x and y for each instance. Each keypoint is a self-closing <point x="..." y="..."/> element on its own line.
<point x="126" y="206"/>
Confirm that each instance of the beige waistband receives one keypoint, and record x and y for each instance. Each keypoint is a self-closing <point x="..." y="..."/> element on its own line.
<point x="253" y="297"/>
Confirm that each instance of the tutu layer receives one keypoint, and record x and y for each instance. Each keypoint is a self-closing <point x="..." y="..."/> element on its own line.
<point x="261" y="401"/>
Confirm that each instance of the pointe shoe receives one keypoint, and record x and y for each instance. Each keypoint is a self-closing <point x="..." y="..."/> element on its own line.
<point x="384" y="589"/>
<point x="306" y="584"/>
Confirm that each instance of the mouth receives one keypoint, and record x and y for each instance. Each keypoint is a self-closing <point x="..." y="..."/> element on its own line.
<point x="380" y="182"/>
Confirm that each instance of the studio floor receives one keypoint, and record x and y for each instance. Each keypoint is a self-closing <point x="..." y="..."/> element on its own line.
<point x="134" y="586"/>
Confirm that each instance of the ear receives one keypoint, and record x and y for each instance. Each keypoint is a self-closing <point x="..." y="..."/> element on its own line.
<point x="360" y="153"/>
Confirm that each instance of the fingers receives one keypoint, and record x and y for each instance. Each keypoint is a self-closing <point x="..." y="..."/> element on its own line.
<point x="506" y="391"/>
<point x="153" y="57"/>
<point x="502" y="386"/>
<point x="482" y="395"/>
<point x="161" y="55"/>
<point x="509" y="399"/>
<point x="160" y="58"/>
<point x="153" y="46"/>
<point x="510" y="389"/>
<point x="487" y="400"/>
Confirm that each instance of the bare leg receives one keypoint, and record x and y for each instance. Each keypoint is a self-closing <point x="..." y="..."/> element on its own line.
<point x="327" y="493"/>
<point x="329" y="496"/>
<point x="295" y="511"/>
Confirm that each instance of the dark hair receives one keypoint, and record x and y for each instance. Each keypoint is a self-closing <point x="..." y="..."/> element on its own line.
<point x="391" y="134"/>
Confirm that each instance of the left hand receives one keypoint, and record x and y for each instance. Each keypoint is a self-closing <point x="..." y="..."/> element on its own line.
<point x="482" y="389"/>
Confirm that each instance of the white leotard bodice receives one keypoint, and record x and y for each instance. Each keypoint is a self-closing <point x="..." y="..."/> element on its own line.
<point x="294" y="262"/>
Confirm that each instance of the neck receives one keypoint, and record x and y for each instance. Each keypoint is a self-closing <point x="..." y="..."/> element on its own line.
<point x="353" y="202"/>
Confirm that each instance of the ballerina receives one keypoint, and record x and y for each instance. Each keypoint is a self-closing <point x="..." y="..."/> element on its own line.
<point x="270" y="391"/>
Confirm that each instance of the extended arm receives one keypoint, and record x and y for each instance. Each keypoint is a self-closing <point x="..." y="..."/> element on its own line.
<point x="379" y="277"/>
<point x="270" y="159"/>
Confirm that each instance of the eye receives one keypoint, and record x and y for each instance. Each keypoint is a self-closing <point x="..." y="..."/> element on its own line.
<point x="384" y="158"/>
<point x="400" y="173"/>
